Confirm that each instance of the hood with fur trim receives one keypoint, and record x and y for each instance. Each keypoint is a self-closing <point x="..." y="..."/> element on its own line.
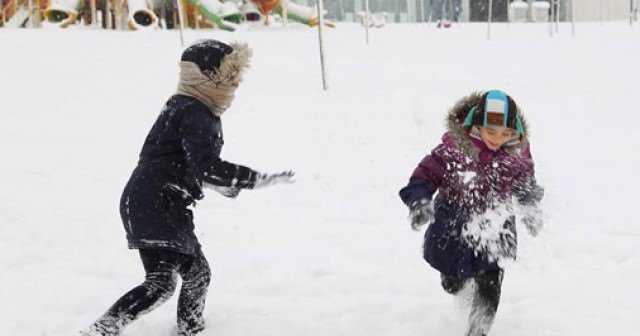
<point x="462" y="136"/>
<point x="233" y="66"/>
<point x="215" y="88"/>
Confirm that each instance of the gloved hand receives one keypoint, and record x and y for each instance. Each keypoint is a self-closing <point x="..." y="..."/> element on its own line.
<point x="265" y="180"/>
<point x="532" y="220"/>
<point x="420" y="213"/>
<point x="230" y="192"/>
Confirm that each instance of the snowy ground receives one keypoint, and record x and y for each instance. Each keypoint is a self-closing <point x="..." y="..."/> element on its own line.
<point x="332" y="254"/>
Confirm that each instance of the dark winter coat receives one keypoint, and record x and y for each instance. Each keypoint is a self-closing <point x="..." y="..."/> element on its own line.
<point x="180" y="156"/>
<point x="474" y="187"/>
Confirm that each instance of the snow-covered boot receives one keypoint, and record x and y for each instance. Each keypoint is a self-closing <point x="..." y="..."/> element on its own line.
<point x="451" y="285"/>
<point x="485" y="303"/>
<point x="90" y="333"/>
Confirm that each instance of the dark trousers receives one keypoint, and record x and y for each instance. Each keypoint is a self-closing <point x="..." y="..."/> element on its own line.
<point x="162" y="268"/>
<point x="485" y="299"/>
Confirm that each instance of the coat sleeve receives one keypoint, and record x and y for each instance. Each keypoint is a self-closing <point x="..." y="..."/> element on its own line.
<point x="526" y="189"/>
<point x="426" y="178"/>
<point x="198" y="143"/>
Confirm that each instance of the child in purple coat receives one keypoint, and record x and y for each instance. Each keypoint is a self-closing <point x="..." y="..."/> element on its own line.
<point x="467" y="188"/>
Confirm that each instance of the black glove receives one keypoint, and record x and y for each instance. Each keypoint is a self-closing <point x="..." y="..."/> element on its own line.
<point x="420" y="213"/>
<point x="230" y="192"/>
<point x="532" y="220"/>
<point x="265" y="180"/>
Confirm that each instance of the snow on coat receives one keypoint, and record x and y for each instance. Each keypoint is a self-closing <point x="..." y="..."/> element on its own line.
<point x="180" y="156"/>
<point x="474" y="225"/>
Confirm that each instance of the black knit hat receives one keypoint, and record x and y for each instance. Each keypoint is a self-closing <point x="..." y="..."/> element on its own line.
<point x="207" y="55"/>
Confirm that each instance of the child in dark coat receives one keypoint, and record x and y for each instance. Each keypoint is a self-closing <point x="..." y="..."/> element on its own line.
<point x="180" y="157"/>
<point x="482" y="168"/>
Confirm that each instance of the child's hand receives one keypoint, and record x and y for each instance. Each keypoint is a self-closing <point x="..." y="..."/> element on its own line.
<point x="226" y="191"/>
<point x="265" y="180"/>
<point x="532" y="220"/>
<point x="420" y="213"/>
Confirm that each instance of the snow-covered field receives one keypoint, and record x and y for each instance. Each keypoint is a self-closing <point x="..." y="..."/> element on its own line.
<point x="332" y="254"/>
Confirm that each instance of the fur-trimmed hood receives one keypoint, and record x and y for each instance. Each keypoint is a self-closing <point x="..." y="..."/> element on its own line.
<point x="233" y="66"/>
<point x="215" y="88"/>
<point x="463" y="137"/>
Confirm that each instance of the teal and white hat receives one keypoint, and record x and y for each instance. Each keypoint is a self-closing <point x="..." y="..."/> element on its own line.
<point x="495" y="108"/>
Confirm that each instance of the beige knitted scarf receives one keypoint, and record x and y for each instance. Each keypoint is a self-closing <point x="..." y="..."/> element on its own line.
<point x="218" y="90"/>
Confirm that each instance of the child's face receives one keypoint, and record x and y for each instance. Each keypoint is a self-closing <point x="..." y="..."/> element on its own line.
<point x="495" y="136"/>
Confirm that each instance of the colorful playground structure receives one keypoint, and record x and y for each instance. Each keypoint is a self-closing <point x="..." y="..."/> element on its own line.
<point x="147" y="14"/>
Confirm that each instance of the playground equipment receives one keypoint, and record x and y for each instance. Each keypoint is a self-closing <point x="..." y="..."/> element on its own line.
<point x="298" y="13"/>
<point x="518" y="11"/>
<point x="65" y="12"/>
<point x="250" y="12"/>
<point x="19" y="13"/>
<point x="225" y="16"/>
<point x="62" y="12"/>
<point x="540" y="11"/>
<point x="141" y="15"/>
<point x="303" y="14"/>
<point x="228" y="15"/>
<point x="376" y="20"/>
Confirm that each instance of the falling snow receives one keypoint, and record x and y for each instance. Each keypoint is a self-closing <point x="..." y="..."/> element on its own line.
<point x="332" y="254"/>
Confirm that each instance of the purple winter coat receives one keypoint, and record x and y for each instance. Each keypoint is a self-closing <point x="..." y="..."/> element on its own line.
<point x="474" y="224"/>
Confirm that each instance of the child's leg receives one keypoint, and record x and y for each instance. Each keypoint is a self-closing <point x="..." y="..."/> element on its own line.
<point x="450" y="284"/>
<point x="160" y="282"/>
<point x="485" y="303"/>
<point x="196" y="277"/>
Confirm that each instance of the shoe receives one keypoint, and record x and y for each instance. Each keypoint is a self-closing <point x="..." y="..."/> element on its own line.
<point x="90" y="332"/>
<point x="451" y="285"/>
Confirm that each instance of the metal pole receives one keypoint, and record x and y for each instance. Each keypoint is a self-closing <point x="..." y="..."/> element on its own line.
<point x="94" y="20"/>
<point x="602" y="12"/>
<point x="107" y="10"/>
<point x="181" y="18"/>
<point x="557" y="15"/>
<point x="552" y="18"/>
<point x="285" y="12"/>
<point x="430" y="12"/>
<point x="38" y="17"/>
<point x="508" y="14"/>
<point x="422" y="11"/>
<point x="489" y="19"/>
<point x="573" y="19"/>
<point x="631" y="12"/>
<point x="118" y="14"/>
<point x="30" y="14"/>
<point x="320" y="41"/>
<point x="452" y="12"/>
<point x="366" y="20"/>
